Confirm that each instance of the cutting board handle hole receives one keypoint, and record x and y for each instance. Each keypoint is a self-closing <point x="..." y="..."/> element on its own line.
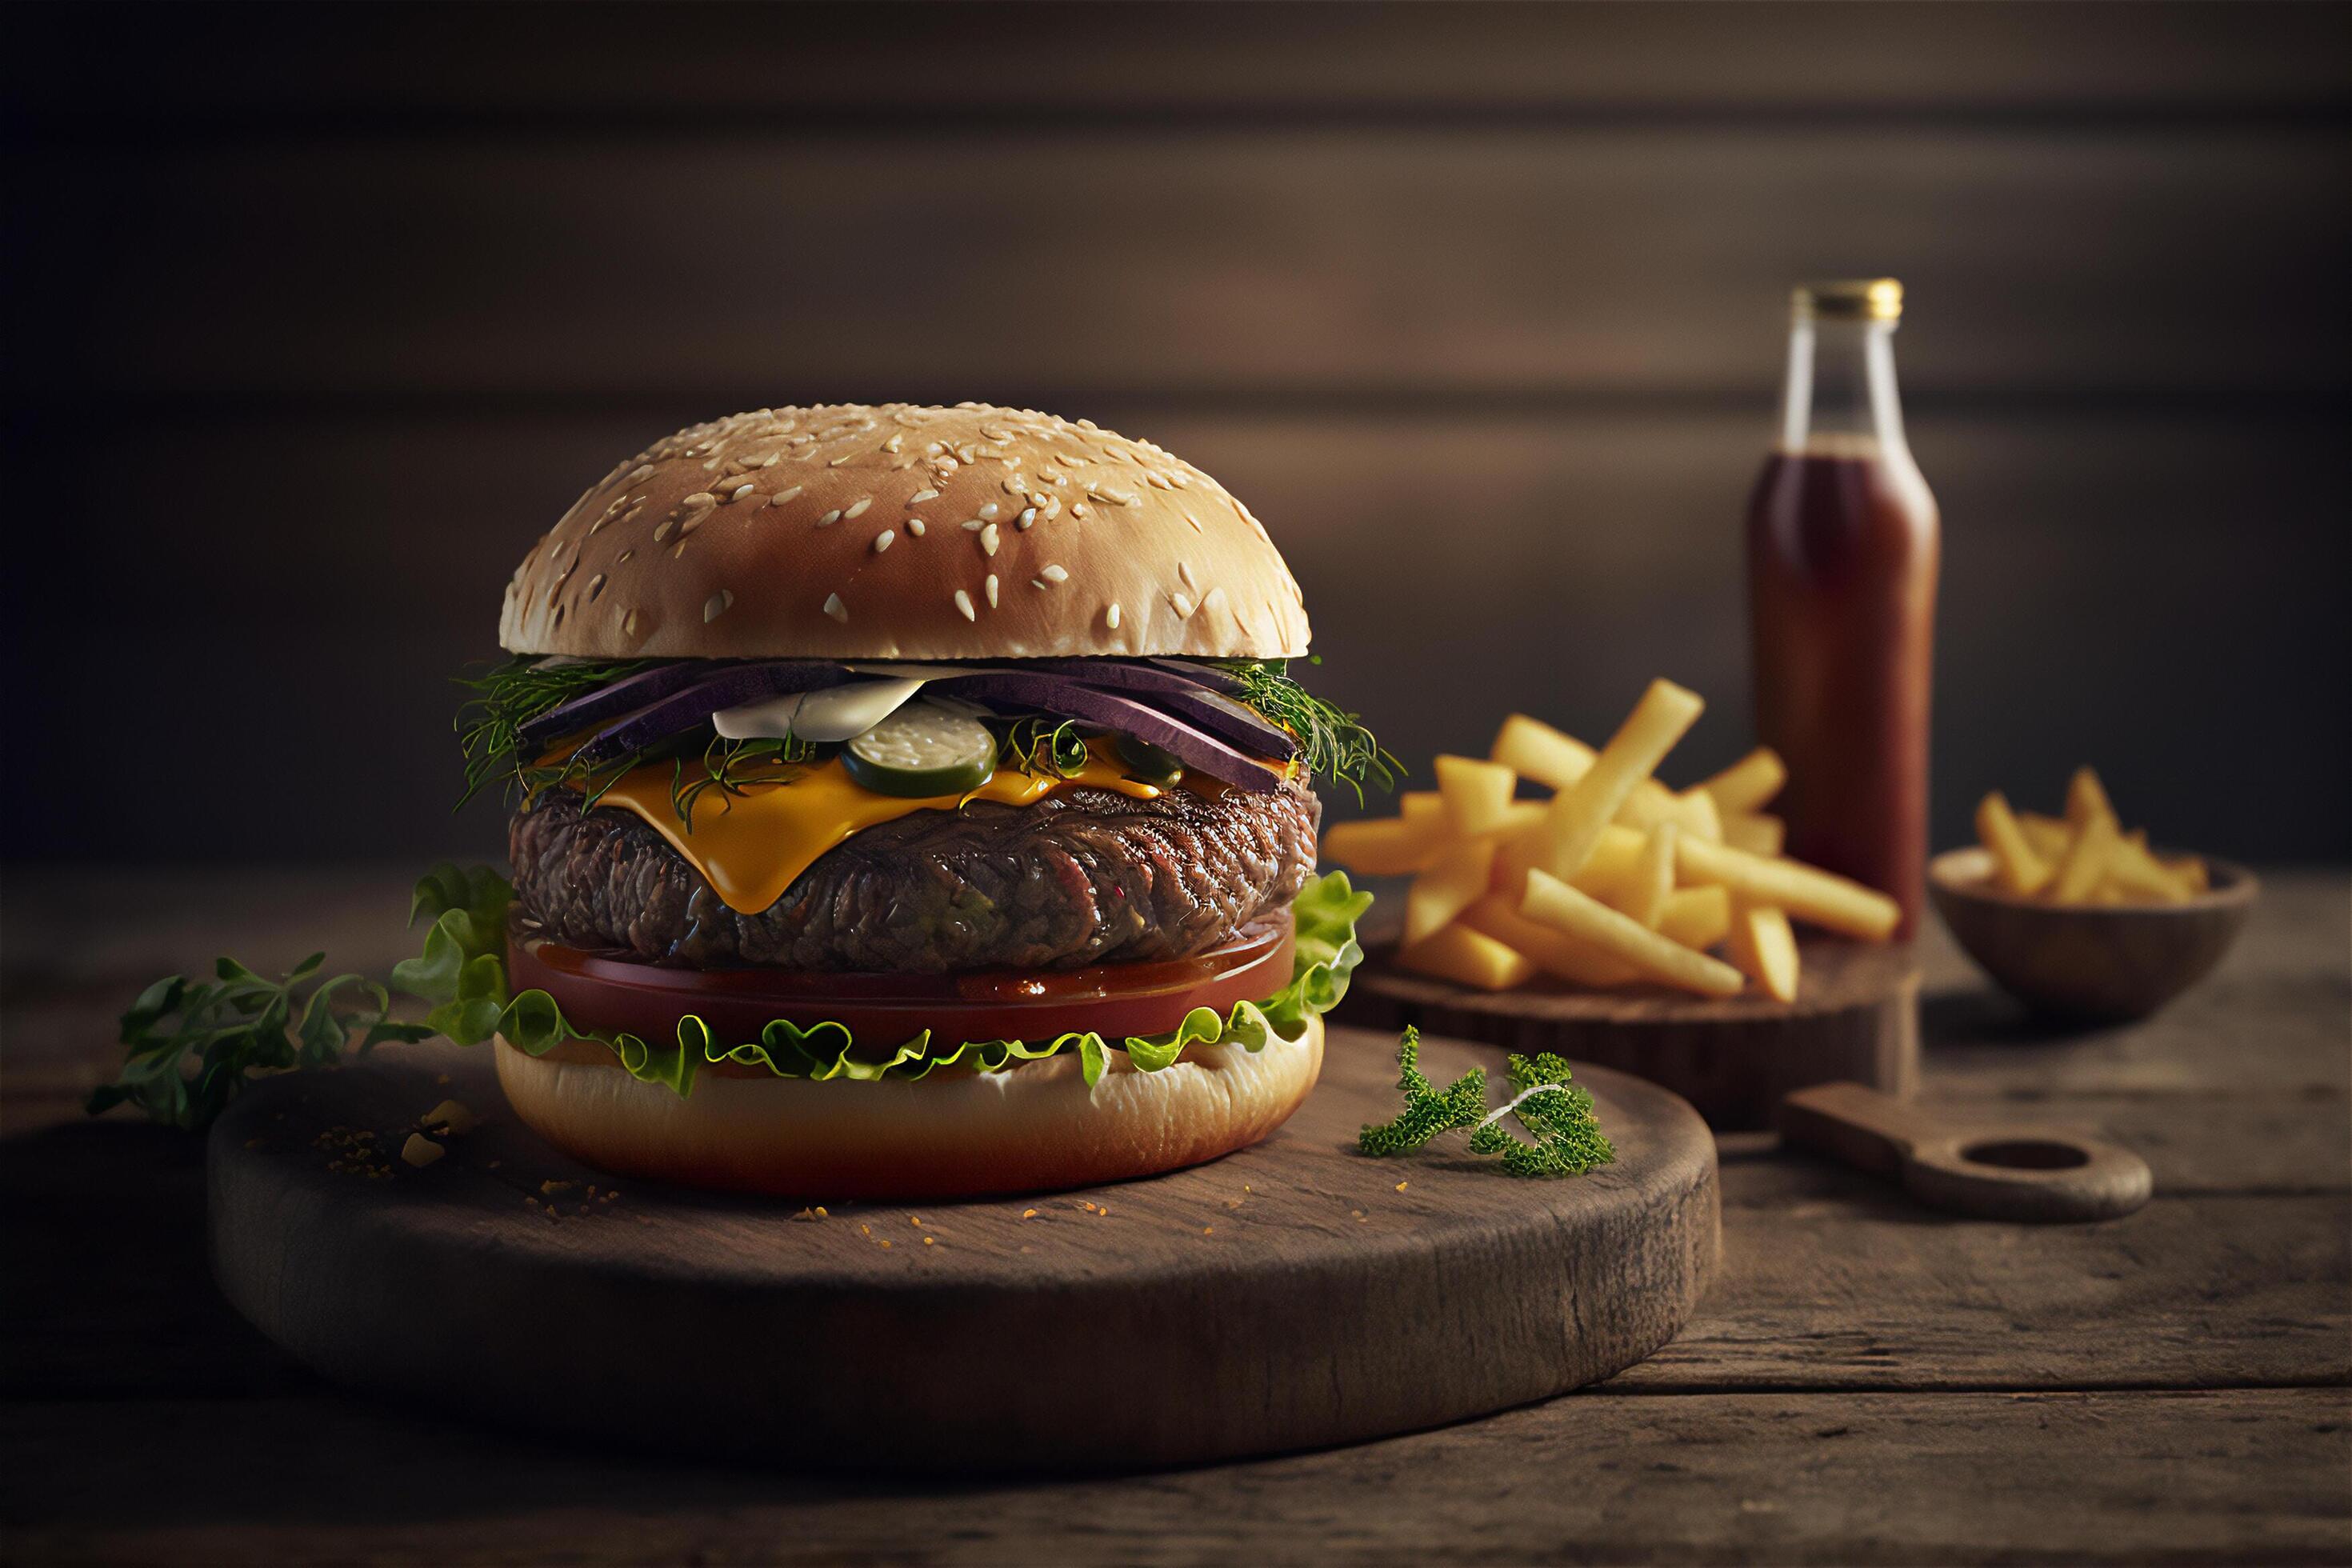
<point x="2027" y="1154"/>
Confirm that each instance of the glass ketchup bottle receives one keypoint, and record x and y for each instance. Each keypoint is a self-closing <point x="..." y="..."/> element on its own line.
<point x="1842" y="548"/>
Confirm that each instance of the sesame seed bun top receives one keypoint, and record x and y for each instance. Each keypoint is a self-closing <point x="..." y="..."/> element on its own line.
<point x="901" y="531"/>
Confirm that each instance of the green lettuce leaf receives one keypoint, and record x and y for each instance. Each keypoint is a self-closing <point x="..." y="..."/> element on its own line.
<point x="462" y="972"/>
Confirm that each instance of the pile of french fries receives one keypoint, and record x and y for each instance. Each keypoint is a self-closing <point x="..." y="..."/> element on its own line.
<point x="2083" y="857"/>
<point x="1616" y="880"/>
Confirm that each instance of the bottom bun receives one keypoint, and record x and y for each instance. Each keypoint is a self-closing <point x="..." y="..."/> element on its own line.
<point x="1028" y="1128"/>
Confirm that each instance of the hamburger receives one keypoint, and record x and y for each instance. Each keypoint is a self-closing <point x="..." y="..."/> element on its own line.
<point x="906" y="801"/>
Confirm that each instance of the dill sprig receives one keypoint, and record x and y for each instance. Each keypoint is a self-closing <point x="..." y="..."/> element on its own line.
<point x="509" y="695"/>
<point x="732" y="768"/>
<point x="1045" y="748"/>
<point x="1568" y="1139"/>
<point x="1333" y="742"/>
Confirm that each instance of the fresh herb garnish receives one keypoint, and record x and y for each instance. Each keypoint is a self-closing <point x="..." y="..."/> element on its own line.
<point x="731" y="767"/>
<point x="509" y="695"/>
<point x="1333" y="742"/>
<point x="1558" y="1115"/>
<point x="1045" y="748"/>
<point x="238" y="1025"/>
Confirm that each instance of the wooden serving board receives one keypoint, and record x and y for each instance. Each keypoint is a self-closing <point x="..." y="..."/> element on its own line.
<point x="1289" y="1296"/>
<point x="1856" y="1017"/>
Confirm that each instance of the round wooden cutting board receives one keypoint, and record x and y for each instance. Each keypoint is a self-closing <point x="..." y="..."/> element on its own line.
<point x="1855" y="1018"/>
<point x="1288" y="1296"/>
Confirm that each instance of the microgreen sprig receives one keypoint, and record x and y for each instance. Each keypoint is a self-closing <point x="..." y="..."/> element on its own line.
<point x="1568" y="1139"/>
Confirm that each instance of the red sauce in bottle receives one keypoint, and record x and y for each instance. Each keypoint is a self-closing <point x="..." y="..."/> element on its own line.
<point x="1842" y="551"/>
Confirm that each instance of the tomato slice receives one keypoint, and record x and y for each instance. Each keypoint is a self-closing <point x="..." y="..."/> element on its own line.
<point x="882" y="1011"/>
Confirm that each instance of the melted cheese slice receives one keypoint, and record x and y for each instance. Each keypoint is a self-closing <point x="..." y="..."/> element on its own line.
<point x="753" y="846"/>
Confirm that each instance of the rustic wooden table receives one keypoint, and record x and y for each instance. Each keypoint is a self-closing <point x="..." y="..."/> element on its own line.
<point x="1868" y="1381"/>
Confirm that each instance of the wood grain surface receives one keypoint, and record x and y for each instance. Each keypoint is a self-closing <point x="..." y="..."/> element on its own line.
<point x="1868" y="1381"/>
<point x="1291" y="1295"/>
<point x="1855" y="1018"/>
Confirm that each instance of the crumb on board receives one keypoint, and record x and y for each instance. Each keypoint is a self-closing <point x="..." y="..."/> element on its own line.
<point x="931" y="1241"/>
<point x="809" y="1216"/>
<point x="452" y="1117"/>
<point x="551" y="1186"/>
<point x="421" y="1150"/>
<point x="443" y="1079"/>
<point x="1402" y="1186"/>
<point x="1028" y="1214"/>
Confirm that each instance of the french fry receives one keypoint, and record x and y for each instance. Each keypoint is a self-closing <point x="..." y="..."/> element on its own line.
<point x="1552" y="902"/>
<point x="1651" y="803"/>
<point x="1749" y="783"/>
<point x="1579" y="812"/>
<point x="1423" y="807"/>
<point x="1534" y="749"/>
<point x="1475" y="794"/>
<point x="1384" y="847"/>
<point x="2142" y="875"/>
<point x="1651" y="880"/>
<point x="2048" y="836"/>
<point x="1470" y="957"/>
<point x="1764" y="948"/>
<point x="2088" y="859"/>
<point x="2086" y="797"/>
<point x="2191" y="871"/>
<point x="1757" y="832"/>
<point x="1555" y="952"/>
<point x="1696" y="917"/>
<point x="1610" y="871"/>
<point x="1459" y="876"/>
<point x="1804" y="892"/>
<point x="2015" y="865"/>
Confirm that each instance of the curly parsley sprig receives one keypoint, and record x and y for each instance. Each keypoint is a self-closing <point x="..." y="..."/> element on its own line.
<point x="1558" y="1114"/>
<point x="192" y="1046"/>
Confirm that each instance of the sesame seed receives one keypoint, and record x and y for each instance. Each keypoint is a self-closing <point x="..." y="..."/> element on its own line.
<point x="914" y="526"/>
<point x="1077" y="508"/>
<point x="988" y="509"/>
<point x="781" y="497"/>
<point x="643" y="472"/>
<point x="629" y="623"/>
<point x="829" y="519"/>
<point x="858" y="508"/>
<point x="715" y="605"/>
<point x="1028" y="516"/>
<point x="963" y="603"/>
<point x="990" y="584"/>
<point x="1195" y="522"/>
<point x="973" y="524"/>
<point x="1054" y="574"/>
<point x="882" y="539"/>
<point x="1183" y="606"/>
<point x="836" y="608"/>
<point x="1036" y="581"/>
<point x="661" y="529"/>
<point x="1184" y="569"/>
<point x="920" y="497"/>
<point x="987" y="538"/>
<point x="1110" y="617"/>
<point x="740" y="492"/>
<point x="1215" y="600"/>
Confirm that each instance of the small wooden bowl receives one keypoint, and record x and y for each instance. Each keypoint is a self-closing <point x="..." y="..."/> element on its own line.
<point x="2100" y="963"/>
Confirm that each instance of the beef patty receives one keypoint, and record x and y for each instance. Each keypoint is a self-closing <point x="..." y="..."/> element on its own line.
<point x="1083" y="876"/>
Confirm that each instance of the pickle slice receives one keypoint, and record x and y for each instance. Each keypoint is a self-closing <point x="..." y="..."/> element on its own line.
<point x="921" y="751"/>
<point x="1149" y="762"/>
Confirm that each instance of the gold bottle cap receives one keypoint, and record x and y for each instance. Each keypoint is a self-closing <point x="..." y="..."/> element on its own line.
<point x="1862" y="298"/>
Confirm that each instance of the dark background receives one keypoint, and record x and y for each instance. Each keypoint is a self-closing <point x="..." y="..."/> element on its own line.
<point x="316" y="317"/>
